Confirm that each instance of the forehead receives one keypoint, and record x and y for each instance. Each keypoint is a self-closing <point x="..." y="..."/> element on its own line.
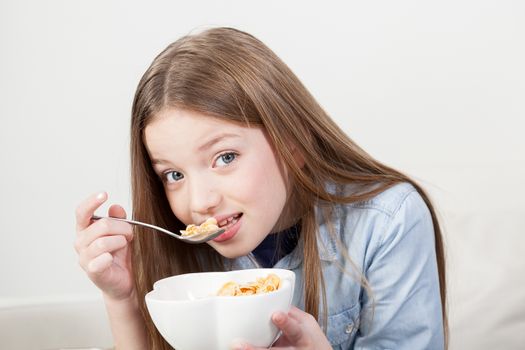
<point x="182" y="119"/>
<point x="183" y="130"/>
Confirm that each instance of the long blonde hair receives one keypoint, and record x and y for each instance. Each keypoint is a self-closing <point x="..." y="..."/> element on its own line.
<point x="229" y="74"/>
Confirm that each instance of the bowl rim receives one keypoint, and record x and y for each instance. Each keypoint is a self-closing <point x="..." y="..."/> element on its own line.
<point x="289" y="273"/>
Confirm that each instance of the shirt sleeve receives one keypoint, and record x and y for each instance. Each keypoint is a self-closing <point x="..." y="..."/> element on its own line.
<point x="404" y="310"/>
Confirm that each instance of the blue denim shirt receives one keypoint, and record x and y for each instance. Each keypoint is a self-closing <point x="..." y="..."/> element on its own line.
<point x="390" y="241"/>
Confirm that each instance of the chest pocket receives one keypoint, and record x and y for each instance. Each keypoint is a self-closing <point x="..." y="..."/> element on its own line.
<point x="343" y="326"/>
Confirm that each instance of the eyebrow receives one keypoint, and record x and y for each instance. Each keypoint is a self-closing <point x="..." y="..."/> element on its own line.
<point x="215" y="140"/>
<point x="202" y="147"/>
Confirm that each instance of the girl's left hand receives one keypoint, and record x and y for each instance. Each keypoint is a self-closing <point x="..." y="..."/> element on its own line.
<point x="300" y="331"/>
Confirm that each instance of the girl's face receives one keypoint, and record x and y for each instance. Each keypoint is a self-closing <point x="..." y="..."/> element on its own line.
<point x="215" y="168"/>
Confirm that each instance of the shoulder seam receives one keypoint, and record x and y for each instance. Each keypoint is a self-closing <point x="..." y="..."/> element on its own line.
<point x="389" y="211"/>
<point x="394" y="213"/>
<point x="403" y="200"/>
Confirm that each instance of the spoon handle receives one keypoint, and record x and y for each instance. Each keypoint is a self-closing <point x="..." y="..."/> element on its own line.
<point x="191" y="239"/>
<point x="133" y="222"/>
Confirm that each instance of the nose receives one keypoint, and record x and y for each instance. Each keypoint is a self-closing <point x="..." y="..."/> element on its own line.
<point x="204" y="197"/>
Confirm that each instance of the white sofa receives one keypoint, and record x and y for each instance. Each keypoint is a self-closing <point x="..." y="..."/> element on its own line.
<point x="78" y="323"/>
<point x="486" y="279"/>
<point x="486" y="274"/>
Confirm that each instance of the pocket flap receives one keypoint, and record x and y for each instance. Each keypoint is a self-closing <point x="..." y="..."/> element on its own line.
<point x="343" y="326"/>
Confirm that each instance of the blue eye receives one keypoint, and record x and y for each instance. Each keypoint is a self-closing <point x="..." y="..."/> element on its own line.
<point x="225" y="159"/>
<point x="173" y="176"/>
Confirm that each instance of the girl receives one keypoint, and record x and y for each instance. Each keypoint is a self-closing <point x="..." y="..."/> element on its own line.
<point x="222" y="128"/>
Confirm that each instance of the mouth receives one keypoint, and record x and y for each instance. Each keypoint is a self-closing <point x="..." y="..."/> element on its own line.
<point x="228" y="222"/>
<point x="231" y="224"/>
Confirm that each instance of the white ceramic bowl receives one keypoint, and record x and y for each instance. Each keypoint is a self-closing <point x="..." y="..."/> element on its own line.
<point x="189" y="316"/>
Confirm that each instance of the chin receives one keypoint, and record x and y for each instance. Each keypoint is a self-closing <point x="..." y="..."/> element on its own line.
<point x="233" y="251"/>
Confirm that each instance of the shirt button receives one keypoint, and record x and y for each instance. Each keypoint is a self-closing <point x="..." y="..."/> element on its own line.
<point x="349" y="328"/>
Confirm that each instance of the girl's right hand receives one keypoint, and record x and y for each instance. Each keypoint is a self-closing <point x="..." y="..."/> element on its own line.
<point x="103" y="248"/>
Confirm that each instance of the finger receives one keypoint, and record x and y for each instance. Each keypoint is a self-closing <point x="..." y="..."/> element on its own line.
<point x="290" y="327"/>
<point x="297" y="314"/>
<point x="99" y="264"/>
<point x="87" y="207"/>
<point x="106" y="244"/>
<point x="116" y="211"/>
<point x="103" y="227"/>
<point x="243" y="346"/>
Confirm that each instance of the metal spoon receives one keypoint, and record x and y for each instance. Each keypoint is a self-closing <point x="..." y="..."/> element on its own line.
<point x="194" y="239"/>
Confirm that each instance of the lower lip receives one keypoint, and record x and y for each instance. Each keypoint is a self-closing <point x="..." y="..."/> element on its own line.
<point x="230" y="233"/>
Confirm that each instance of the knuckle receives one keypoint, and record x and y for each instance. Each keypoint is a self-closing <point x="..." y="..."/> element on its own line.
<point x="310" y="318"/>
<point x="101" y="244"/>
<point x="121" y="241"/>
<point x="104" y="225"/>
<point x="91" y="268"/>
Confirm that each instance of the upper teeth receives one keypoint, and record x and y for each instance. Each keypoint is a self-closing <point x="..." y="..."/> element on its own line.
<point x="230" y="221"/>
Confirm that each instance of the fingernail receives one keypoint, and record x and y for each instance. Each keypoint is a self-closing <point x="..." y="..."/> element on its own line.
<point x="101" y="196"/>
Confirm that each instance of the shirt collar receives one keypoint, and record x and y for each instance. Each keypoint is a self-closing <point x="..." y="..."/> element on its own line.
<point x="326" y="245"/>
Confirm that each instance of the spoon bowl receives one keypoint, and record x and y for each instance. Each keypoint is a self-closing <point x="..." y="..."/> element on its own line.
<point x="194" y="239"/>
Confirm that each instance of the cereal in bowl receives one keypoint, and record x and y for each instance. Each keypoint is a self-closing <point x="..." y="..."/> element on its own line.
<point x="266" y="284"/>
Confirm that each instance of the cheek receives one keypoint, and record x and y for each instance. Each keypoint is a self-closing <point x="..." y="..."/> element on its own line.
<point x="262" y="185"/>
<point x="179" y="208"/>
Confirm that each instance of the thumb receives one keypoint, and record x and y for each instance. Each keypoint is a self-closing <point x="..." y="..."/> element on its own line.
<point x="290" y="327"/>
<point x="244" y="346"/>
<point x="116" y="211"/>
